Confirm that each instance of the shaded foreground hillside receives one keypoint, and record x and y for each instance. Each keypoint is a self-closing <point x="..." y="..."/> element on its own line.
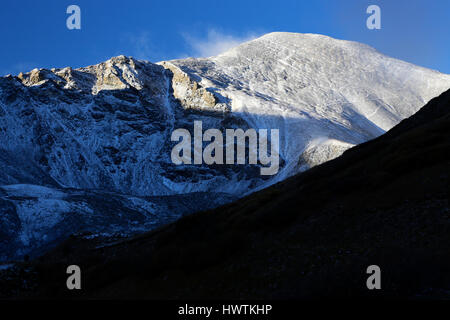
<point x="384" y="202"/>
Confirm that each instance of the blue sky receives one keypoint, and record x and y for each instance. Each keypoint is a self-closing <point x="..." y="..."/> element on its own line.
<point x="34" y="33"/>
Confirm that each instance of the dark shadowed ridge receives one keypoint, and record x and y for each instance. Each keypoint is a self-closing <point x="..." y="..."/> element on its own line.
<point x="384" y="202"/>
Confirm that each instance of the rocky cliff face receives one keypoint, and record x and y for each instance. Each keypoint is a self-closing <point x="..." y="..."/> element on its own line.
<point x="188" y="92"/>
<point x="106" y="128"/>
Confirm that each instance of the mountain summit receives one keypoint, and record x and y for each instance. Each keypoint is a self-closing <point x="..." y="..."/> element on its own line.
<point x="324" y="94"/>
<point x="89" y="149"/>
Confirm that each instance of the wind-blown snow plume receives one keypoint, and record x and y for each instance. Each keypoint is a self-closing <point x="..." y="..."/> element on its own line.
<point x="215" y="43"/>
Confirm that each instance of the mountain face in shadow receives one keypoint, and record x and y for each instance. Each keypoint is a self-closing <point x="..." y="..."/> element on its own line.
<point x="384" y="202"/>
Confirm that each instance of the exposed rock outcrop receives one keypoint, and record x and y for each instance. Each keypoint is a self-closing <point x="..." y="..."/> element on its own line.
<point x="189" y="92"/>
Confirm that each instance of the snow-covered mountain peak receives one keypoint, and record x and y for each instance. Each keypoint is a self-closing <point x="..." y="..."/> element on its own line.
<point x="310" y="87"/>
<point x="318" y="71"/>
<point x="96" y="141"/>
<point x="316" y="87"/>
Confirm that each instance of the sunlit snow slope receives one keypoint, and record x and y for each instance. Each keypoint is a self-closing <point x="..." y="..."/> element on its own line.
<point x="325" y="95"/>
